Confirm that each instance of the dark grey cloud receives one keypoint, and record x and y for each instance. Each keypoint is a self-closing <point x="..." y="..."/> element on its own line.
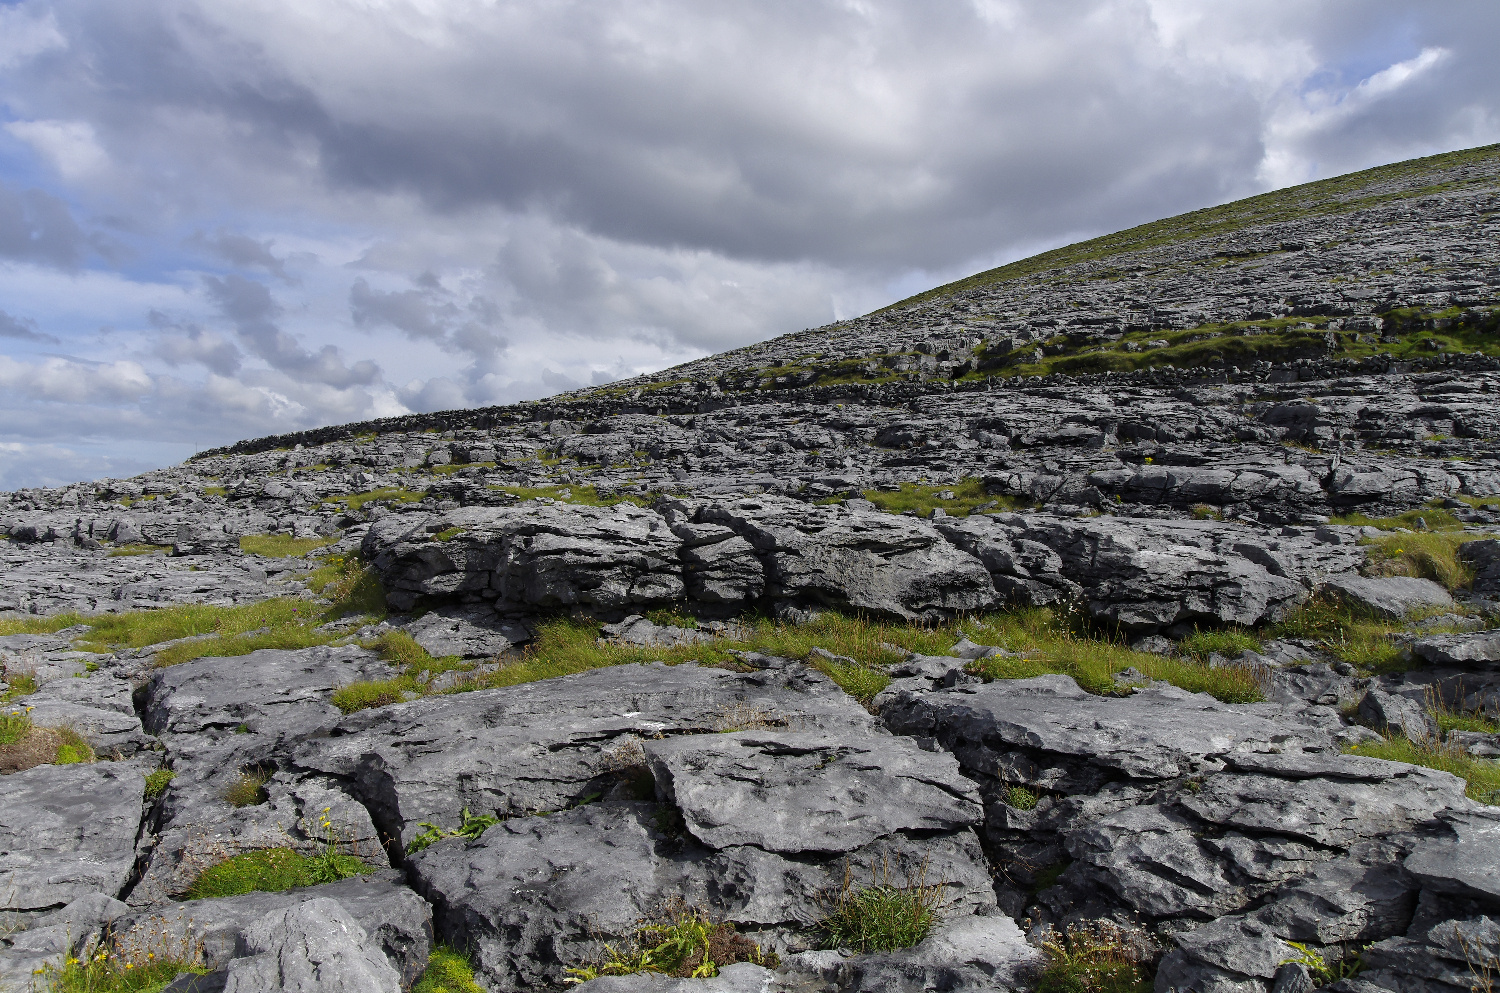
<point x="242" y="250"/>
<point x="36" y="226"/>
<point x="22" y="329"/>
<point x="250" y="306"/>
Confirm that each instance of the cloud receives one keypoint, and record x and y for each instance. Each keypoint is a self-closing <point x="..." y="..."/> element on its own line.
<point x="250" y="306"/>
<point x="71" y="145"/>
<point x="242" y="250"/>
<point x="62" y="378"/>
<point x="21" y="329"/>
<point x="36" y="226"/>
<point x="269" y="208"/>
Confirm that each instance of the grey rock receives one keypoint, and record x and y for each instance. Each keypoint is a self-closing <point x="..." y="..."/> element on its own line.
<point x="1484" y="556"/>
<point x="1394" y="597"/>
<point x="1390" y="713"/>
<point x="68" y="831"/>
<point x="1465" y="860"/>
<point x="312" y="947"/>
<point x="971" y="953"/>
<point x="1046" y="731"/>
<point x="741" y="977"/>
<point x="73" y="930"/>
<point x="395" y="920"/>
<point x="642" y="633"/>
<point x="534" y="894"/>
<point x="809" y="792"/>
<point x="546" y="745"/>
<point x="1466" y="651"/>
<point x="468" y="631"/>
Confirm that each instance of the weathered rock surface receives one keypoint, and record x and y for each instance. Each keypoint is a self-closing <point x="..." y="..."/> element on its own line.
<point x="1143" y="502"/>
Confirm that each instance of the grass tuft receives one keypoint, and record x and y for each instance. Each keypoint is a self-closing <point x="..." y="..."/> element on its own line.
<point x="448" y="971"/>
<point x="281" y="546"/>
<point x="1098" y="957"/>
<point x="958" y="500"/>
<point x="39" y="625"/>
<point x="1482" y="776"/>
<point x="248" y="790"/>
<point x="1021" y="798"/>
<point x="157" y="783"/>
<point x="881" y="917"/>
<point x="1425" y="555"/>
<point x="24" y="745"/>
<point x="1229" y="643"/>
<point x="684" y="942"/>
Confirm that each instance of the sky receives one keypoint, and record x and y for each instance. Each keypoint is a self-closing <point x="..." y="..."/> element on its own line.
<point x="234" y="218"/>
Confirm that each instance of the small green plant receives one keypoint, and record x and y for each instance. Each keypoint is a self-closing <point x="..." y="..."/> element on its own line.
<point x="1096" y="957"/>
<point x="448" y="971"/>
<point x="1320" y="968"/>
<point x="470" y="826"/>
<point x="1229" y="643"/>
<point x="1021" y="798"/>
<point x="125" y="966"/>
<point x="72" y="747"/>
<point x="882" y="916"/>
<point x="18" y="684"/>
<point x="330" y="863"/>
<point x="447" y="534"/>
<point x="684" y="942"/>
<point x="157" y="783"/>
<point x="281" y="546"/>
<point x="249" y="789"/>
<point x="15" y="726"/>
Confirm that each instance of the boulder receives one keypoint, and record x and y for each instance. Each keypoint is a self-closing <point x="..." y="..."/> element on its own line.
<point x="313" y="947"/>
<point x="1393" y="597"/>
<point x="68" y="831"/>
<point x="470" y="631"/>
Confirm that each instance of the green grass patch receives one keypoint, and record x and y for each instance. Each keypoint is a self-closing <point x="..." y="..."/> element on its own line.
<point x="117" y="551"/>
<point x="249" y="789"/>
<point x="114" y="972"/>
<point x="1044" y="644"/>
<point x="1430" y="516"/>
<point x="448" y="971"/>
<point x="1021" y="798"/>
<point x="157" y="783"/>
<point x="447" y="534"/>
<point x="1424" y="554"/>
<point x="383" y="494"/>
<point x="1481" y="776"/>
<point x="350" y="586"/>
<point x="587" y="496"/>
<point x="18" y="684"/>
<point x="957" y="500"/>
<point x="1229" y="642"/>
<point x="1096" y="957"/>
<point x="40" y="625"/>
<point x="365" y="694"/>
<point x="271" y="870"/>
<point x="1350" y="635"/>
<point x="281" y="546"/>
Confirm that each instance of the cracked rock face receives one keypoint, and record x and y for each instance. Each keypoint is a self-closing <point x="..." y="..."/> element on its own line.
<point x="1147" y="440"/>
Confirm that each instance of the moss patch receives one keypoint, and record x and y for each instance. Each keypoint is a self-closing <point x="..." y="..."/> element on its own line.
<point x="271" y="870"/>
<point x="448" y="971"/>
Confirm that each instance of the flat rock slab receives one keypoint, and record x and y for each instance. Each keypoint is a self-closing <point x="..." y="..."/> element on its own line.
<point x="1478" y="649"/>
<point x="1465" y="862"/>
<point x="313" y="946"/>
<point x="396" y="920"/>
<point x="281" y="689"/>
<point x="67" y="831"/>
<point x="796" y="792"/>
<point x="534" y="895"/>
<point x="1043" y="731"/>
<point x="742" y="977"/>
<point x="546" y="745"/>
<point x="1393" y="597"/>
<point x="470" y="631"/>
<point x="979" y="953"/>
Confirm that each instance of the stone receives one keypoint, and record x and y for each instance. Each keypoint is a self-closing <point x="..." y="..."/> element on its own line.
<point x="1464" y="651"/>
<point x="741" y="977"/>
<point x="68" y="831"/>
<point x="313" y="947"/>
<point x="395" y="921"/>
<point x="468" y="631"/>
<point x="544" y="746"/>
<point x="809" y="792"/>
<point x="1484" y="556"/>
<point x="1393" y="597"/>
<point x="972" y="953"/>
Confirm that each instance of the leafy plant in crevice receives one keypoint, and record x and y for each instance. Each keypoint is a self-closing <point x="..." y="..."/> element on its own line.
<point x="448" y="971"/>
<point x="1320" y="968"/>
<point x="470" y="826"/>
<point x="682" y="941"/>
<point x="157" y="783"/>
<point x="1095" y="957"/>
<point x="881" y="916"/>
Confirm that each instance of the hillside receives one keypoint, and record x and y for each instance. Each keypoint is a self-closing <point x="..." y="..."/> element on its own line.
<point x="1132" y="608"/>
